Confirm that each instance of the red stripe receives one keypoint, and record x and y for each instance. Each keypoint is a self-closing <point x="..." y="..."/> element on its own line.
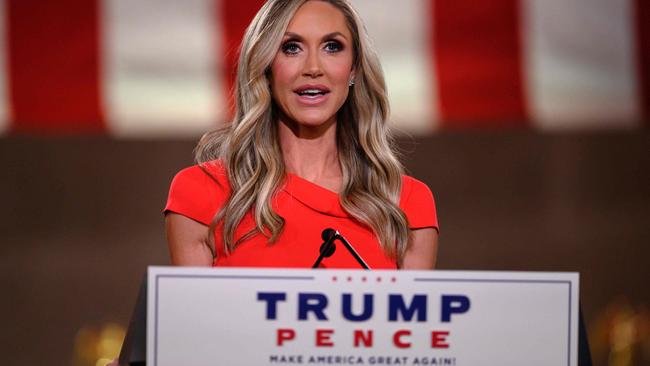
<point x="643" y="51"/>
<point x="477" y="49"/>
<point x="235" y="18"/>
<point x="54" y="66"/>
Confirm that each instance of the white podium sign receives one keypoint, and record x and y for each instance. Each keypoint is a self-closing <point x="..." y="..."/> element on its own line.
<point x="231" y="317"/>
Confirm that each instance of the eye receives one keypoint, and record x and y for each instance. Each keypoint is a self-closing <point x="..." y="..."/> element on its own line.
<point x="290" y="48"/>
<point x="333" y="46"/>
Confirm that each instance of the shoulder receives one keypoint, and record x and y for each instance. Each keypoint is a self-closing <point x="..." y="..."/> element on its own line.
<point x="412" y="187"/>
<point x="198" y="191"/>
<point x="208" y="174"/>
<point x="418" y="204"/>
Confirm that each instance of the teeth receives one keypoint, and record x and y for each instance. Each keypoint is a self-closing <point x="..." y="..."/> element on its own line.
<point x="311" y="92"/>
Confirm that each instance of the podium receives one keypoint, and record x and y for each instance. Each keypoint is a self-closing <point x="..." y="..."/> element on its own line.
<point x="209" y="316"/>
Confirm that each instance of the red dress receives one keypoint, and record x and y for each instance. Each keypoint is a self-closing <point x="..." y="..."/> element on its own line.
<point x="307" y="209"/>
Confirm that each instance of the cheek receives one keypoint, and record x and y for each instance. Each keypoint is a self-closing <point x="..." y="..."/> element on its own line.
<point x="339" y="74"/>
<point x="283" y="71"/>
<point x="340" y="70"/>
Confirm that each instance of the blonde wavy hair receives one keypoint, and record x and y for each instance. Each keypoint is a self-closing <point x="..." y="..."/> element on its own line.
<point x="250" y="151"/>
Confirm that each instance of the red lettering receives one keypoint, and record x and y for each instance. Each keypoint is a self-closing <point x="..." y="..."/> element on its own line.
<point x="438" y="339"/>
<point x="363" y="337"/>
<point x="397" y="339"/>
<point x="323" y="337"/>
<point x="285" y="335"/>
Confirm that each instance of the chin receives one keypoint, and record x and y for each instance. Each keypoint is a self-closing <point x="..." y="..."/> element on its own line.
<point x="313" y="119"/>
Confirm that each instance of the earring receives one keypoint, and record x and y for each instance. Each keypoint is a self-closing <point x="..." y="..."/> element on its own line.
<point x="351" y="82"/>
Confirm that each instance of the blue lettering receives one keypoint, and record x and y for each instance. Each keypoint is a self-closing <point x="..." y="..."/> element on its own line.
<point x="312" y="302"/>
<point x="453" y="304"/>
<point x="397" y="306"/>
<point x="271" y="299"/>
<point x="367" y="308"/>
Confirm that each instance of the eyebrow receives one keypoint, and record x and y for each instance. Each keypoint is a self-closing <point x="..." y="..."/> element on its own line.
<point x="298" y="37"/>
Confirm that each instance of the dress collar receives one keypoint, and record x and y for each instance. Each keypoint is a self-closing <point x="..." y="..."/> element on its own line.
<point x="314" y="196"/>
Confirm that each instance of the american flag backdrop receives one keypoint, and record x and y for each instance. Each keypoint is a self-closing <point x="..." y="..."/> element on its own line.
<point x="148" y="68"/>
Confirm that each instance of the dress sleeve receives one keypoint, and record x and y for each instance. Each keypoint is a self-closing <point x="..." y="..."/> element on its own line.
<point x="195" y="194"/>
<point x="418" y="204"/>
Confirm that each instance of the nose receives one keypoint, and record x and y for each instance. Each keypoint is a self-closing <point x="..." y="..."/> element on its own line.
<point x="312" y="67"/>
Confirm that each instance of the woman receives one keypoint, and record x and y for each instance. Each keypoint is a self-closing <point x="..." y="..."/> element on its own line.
<point x="308" y="149"/>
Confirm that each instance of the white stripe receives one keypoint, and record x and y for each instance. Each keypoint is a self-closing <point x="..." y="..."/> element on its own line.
<point x="580" y="63"/>
<point x="401" y="34"/>
<point x="161" y="67"/>
<point x="4" y="97"/>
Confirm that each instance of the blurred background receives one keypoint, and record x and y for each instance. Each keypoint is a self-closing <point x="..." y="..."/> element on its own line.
<point x="527" y="118"/>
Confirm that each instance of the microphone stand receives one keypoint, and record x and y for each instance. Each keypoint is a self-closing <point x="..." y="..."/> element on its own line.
<point x="328" y="247"/>
<point x="350" y="249"/>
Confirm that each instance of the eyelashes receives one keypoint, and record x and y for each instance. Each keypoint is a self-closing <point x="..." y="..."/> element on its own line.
<point x="293" y="47"/>
<point x="333" y="46"/>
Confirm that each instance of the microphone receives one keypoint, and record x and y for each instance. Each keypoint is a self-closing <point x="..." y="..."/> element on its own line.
<point x="329" y="235"/>
<point x="328" y="247"/>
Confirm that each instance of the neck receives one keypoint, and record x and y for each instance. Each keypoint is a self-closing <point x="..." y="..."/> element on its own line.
<point x="311" y="152"/>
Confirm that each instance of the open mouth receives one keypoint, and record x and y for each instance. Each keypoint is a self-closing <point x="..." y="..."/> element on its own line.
<point x="312" y="92"/>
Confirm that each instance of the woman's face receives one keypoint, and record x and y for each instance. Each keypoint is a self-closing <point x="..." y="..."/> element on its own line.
<point x="312" y="69"/>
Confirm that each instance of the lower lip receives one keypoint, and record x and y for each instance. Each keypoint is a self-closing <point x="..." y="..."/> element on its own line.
<point x="312" y="101"/>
